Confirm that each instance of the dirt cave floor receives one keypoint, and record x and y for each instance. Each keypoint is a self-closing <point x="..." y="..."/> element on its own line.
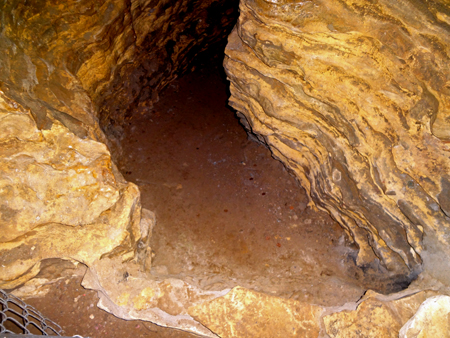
<point x="227" y="213"/>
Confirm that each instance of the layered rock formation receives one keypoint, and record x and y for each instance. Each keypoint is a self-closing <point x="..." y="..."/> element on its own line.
<point x="65" y="66"/>
<point x="60" y="198"/>
<point x="354" y="98"/>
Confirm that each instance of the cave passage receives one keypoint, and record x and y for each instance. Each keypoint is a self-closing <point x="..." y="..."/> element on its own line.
<point x="87" y="85"/>
<point x="227" y="212"/>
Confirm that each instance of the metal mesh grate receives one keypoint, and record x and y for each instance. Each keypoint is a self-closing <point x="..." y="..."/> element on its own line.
<point x="20" y="318"/>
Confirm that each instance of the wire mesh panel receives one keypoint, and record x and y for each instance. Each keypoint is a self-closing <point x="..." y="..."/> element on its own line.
<point x="17" y="317"/>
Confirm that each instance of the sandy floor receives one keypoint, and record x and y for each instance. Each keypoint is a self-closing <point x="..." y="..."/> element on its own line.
<point x="74" y="309"/>
<point x="227" y="213"/>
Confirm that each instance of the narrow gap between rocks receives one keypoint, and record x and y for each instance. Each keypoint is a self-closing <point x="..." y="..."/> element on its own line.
<point x="228" y="213"/>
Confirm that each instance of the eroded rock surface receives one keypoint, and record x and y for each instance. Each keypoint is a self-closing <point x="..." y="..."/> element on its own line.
<point x="60" y="198"/>
<point x="64" y="67"/>
<point x="431" y="320"/>
<point x="130" y="293"/>
<point x="246" y="313"/>
<point x="375" y="316"/>
<point x="353" y="97"/>
<point x="121" y="53"/>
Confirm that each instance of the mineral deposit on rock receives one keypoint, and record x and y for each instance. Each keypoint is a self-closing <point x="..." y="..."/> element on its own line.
<point x="431" y="320"/>
<point x="128" y="293"/>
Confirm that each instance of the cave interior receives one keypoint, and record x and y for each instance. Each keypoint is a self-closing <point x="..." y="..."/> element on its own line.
<point x="189" y="199"/>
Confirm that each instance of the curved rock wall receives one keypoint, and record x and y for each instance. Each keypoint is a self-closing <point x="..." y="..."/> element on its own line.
<point x="354" y="98"/>
<point x="65" y="66"/>
<point x="120" y="52"/>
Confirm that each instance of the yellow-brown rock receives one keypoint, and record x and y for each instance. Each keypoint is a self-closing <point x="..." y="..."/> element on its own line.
<point x="431" y="320"/>
<point x="245" y="313"/>
<point x="65" y="66"/>
<point x="59" y="198"/>
<point x="102" y="58"/>
<point x="49" y="175"/>
<point x="375" y="317"/>
<point x="128" y="293"/>
<point x="354" y="98"/>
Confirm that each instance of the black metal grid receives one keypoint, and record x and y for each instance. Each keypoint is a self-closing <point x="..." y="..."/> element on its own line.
<point x="17" y="317"/>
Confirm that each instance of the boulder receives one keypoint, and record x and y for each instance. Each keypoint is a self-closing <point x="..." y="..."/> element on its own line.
<point x="431" y="320"/>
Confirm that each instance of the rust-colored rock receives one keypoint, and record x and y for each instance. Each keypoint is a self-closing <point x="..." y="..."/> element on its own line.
<point x="354" y="98"/>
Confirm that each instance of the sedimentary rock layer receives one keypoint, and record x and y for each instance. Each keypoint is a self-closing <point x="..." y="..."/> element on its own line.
<point x="120" y="52"/>
<point x="354" y="98"/>
<point x="65" y="66"/>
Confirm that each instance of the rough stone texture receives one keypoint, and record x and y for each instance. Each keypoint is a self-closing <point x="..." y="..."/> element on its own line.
<point x="64" y="66"/>
<point x="116" y="51"/>
<point x="431" y="320"/>
<point x="354" y="98"/>
<point x="45" y="171"/>
<point x="375" y="316"/>
<point x="245" y="313"/>
<point x="60" y="198"/>
<point x="163" y="39"/>
<point x="129" y="293"/>
<point x="351" y="96"/>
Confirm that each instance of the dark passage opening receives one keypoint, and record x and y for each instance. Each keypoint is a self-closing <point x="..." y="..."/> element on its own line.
<point x="228" y="213"/>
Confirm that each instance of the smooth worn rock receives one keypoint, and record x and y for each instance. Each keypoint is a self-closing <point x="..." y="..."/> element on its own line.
<point x="375" y="316"/>
<point x="245" y="313"/>
<point x="128" y="292"/>
<point x="353" y="97"/>
<point x="431" y="320"/>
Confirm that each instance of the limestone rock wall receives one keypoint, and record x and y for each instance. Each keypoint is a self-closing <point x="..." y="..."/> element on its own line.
<point x="354" y="98"/>
<point x="120" y="52"/>
<point x="164" y="38"/>
<point x="66" y="66"/>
